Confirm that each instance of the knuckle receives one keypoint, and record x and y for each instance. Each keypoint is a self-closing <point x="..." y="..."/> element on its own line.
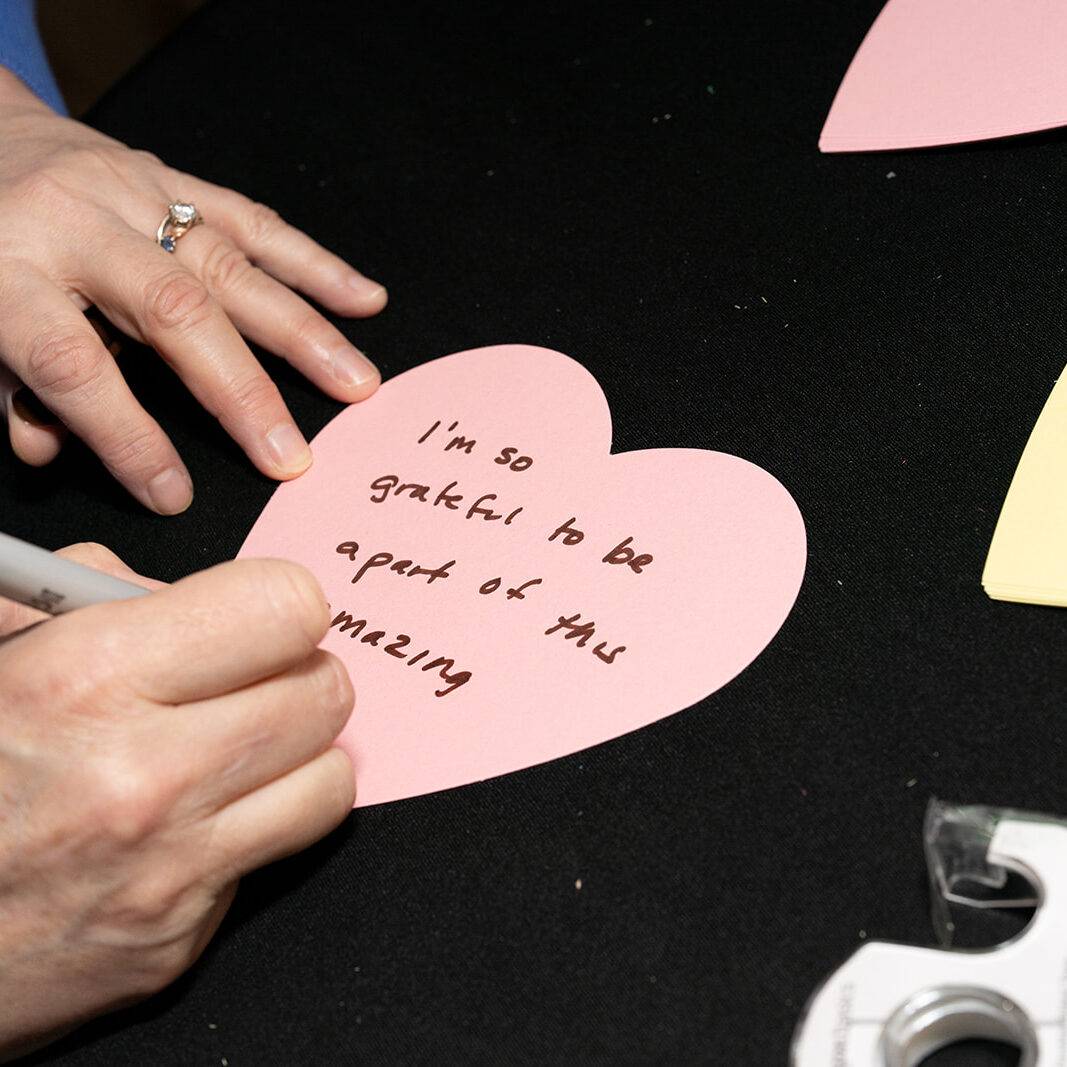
<point x="226" y="268"/>
<point x="176" y="299"/>
<point x="42" y="188"/>
<point x="97" y="161"/>
<point x="145" y="156"/>
<point x="293" y="595"/>
<point x="162" y="913"/>
<point x="129" y="446"/>
<point x="33" y="679"/>
<point x="107" y="647"/>
<point x="261" y="222"/>
<point x="91" y="553"/>
<point x="67" y="170"/>
<point x="61" y="179"/>
<point x="253" y="394"/>
<point x="311" y="330"/>
<point x="61" y="361"/>
<point x="128" y="800"/>
<point x="155" y="900"/>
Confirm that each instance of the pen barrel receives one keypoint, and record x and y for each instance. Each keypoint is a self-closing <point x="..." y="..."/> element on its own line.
<point x="50" y="583"/>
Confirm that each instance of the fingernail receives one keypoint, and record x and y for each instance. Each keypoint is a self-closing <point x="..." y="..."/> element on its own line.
<point x="366" y="287"/>
<point x="288" y="448"/>
<point x="171" y="492"/>
<point x="30" y="409"/>
<point x="351" y="367"/>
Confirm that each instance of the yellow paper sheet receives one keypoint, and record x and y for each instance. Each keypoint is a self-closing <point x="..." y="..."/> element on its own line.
<point x="1027" y="559"/>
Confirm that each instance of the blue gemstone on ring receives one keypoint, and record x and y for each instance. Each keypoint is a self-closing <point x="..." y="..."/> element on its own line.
<point x="167" y="243"/>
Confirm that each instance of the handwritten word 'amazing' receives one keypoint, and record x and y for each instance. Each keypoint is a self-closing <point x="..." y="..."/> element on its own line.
<point x="395" y="647"/>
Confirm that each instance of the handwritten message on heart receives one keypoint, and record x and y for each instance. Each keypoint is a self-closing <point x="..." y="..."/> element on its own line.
<point x="505" y="591"/>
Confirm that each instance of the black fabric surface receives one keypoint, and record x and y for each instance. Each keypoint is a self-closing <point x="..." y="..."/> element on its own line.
<point x="636" y="185"/>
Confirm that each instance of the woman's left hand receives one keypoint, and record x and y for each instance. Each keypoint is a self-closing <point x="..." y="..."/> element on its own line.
<point x="80" y="215"/>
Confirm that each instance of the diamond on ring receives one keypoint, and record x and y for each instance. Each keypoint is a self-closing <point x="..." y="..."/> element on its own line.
<point x="179" y="219"/>
<point x="183" y="214"/>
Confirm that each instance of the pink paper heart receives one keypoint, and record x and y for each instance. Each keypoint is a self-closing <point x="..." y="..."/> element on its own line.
<point x="934" y="72"/>
<point x="450" y="592"/>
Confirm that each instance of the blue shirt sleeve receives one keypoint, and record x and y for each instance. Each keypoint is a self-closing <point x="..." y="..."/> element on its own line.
<point x="22" y="53"/>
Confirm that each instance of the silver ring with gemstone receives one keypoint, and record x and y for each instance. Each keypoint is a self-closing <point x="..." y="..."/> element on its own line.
<point x="179" y="220"/>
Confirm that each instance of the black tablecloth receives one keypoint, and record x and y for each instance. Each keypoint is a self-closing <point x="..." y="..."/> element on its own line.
<point x="636" y="185"/>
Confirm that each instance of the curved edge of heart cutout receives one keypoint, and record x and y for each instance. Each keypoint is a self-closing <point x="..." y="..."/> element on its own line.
<point x="951" y="72"/>
<point x="578" y="396"/>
